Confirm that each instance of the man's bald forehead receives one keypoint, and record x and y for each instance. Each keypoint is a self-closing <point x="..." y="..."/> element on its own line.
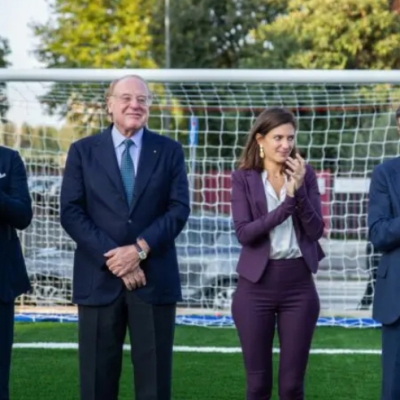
<point x="126" y="79"/>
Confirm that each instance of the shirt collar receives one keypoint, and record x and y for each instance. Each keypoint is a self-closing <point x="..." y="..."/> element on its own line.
<point x="118" y="138"/>
<point x="264" y="176"/>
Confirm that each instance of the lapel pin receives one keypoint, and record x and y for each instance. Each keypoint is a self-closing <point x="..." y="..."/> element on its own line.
<point x="155" y="151"/>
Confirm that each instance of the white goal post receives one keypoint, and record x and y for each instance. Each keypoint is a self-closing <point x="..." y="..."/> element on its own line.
<point x="346" y="127"/>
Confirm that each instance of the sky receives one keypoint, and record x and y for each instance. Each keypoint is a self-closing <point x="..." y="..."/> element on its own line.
<point x="15" y="15"/>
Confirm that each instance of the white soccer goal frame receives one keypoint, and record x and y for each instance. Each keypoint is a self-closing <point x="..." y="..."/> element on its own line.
<point x="204" y="75"/>
<point x="220" y="76"/>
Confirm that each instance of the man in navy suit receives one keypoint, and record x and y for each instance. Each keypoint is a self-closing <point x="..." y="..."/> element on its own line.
<point x="15" y="213"/>
<point x="124" y="200"/>
<point x="384" y="234"/>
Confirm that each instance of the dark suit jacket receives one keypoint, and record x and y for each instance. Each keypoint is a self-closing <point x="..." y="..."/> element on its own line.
<point x="384" y="234"/>
<point x="94" y="212"/>
<point x="253" y="222"/>
<point x="15" y="213"/>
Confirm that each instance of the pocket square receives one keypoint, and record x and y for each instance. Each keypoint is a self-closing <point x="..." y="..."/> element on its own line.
<point x="3" y="175"/>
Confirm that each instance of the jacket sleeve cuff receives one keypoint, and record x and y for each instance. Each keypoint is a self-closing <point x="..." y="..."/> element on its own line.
<point x="290" y="202"/>
<point x="301" y="193"/>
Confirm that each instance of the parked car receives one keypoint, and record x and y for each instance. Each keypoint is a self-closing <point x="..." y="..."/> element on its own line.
<point x="50" y="273"/>
<point x="207" y="253"/>
<point x="45" y="192"/>
<point x="201" y="257"/>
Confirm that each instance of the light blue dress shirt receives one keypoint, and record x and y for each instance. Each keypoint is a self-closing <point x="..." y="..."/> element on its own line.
<point x="118" y="140"/>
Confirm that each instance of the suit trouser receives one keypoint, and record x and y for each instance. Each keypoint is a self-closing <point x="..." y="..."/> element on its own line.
<point x="285" y="296"/>
<point x="6" y="341"/>
<point x="102" y="331"/>
<point x="391" y="361"/>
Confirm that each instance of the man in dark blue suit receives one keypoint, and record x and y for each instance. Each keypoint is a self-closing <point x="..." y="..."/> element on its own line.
<point x="15" y="213"/>
<point x="124" y="200"/>
<point x="384" y="234"/>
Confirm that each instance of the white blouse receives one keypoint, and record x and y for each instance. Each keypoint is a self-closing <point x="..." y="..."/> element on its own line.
<point x="283" y="237"/>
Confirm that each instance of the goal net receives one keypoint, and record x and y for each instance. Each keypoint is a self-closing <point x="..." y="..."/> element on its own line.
<point x="346" y="127"/>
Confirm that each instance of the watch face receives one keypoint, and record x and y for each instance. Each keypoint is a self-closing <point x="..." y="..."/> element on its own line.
<point x="142" y="255"/>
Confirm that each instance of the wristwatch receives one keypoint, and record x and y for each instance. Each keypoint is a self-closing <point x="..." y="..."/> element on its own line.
<point x="141" y="252"/>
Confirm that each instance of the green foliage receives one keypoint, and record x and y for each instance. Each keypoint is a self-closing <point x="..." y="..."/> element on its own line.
<point x="40" y="138"/>
<point x="209" y="33"/>
<point x="130" y="33"/>
<point x="348" y="142"/>
<point x="212" y="34"/>
<point x="7" y="133"/>
<point x="4" y="52"/>
<point x="96" y="34"/>
<point x="92" y="34"/>
<point x="334" y="34"/>
<point x="337" y="120"/>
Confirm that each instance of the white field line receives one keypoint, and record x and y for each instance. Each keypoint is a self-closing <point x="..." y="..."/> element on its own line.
<point x="191" y="349"/>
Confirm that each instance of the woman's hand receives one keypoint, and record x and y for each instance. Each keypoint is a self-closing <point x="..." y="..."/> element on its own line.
<point x="296" y="171"/>
<point x="290" y="186"/>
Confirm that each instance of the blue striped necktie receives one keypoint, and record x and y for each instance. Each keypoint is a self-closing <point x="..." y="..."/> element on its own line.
<point x="128" y="170"/>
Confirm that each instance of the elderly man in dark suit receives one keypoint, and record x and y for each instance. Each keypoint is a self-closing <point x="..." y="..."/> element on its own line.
<point x="124" y="200"/>
<point x="15" y="213"/>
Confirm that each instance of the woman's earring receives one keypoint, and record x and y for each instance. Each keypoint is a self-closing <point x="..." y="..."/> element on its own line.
<point x="262" y="154"/>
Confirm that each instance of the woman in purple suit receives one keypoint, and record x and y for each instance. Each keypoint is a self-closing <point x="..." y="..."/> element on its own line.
<point x="276" y="210"/>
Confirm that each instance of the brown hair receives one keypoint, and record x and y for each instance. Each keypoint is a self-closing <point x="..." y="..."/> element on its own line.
<point x="269" y="119"/>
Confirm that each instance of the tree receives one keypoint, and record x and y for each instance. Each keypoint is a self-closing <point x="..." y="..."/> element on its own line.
<point x="209" y="33"/>
<point x="213" y="34"/>
<point x="335" y="34"/>
<point x="96" y="34"/>
<point x="130" y="33"/>
<point x="4" y="52"/>
<point x="92" y="34"/>
<point x="9" y="132"/>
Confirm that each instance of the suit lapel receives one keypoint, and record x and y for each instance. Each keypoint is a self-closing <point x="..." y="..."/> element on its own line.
<point x="257" y="195"/>
<point x="148" y="158"/>
<point x="257" y="192"/>
<point x="106" y="157"/>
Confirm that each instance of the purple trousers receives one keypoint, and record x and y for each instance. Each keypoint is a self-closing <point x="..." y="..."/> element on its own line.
<point x="284" y="297"/>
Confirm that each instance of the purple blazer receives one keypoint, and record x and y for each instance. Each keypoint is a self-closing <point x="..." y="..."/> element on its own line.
<point x="253" y="222"/>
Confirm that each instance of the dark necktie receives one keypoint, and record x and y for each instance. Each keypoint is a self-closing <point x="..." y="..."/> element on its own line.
<point x="128" y="170"/>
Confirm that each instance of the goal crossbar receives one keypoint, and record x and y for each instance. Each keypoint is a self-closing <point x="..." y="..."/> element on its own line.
<point x="204" y="75"/>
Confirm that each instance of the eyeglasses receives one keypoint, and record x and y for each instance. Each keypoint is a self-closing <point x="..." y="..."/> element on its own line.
<point x="140" y="99"/>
